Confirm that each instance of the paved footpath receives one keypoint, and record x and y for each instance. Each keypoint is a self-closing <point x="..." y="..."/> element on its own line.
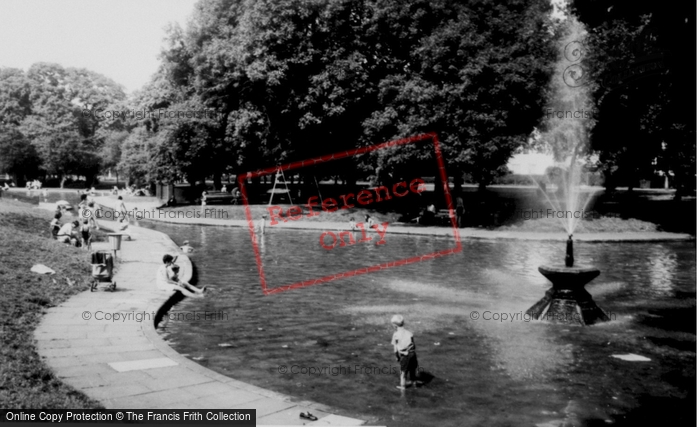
<point x="126" y="365"/>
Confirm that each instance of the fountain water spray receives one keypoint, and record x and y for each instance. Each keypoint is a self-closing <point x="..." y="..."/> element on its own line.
<point x="566" y="136"/>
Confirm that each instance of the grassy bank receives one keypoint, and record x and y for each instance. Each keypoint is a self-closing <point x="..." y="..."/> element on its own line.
<point x="25" y="381"/>
<point x="597" y="224"/>
<point x="593" y="225"/>
<point x="237" y="212"/>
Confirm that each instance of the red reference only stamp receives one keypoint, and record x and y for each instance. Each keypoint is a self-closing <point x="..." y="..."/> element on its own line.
<point x="328" y="240"/>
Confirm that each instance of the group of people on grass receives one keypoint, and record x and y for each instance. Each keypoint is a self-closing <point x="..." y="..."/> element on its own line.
<point x="78" y="232"/>
<point x="369" y="221"/>
<point x="33" y="185"/>
<point x="130" y="191"/>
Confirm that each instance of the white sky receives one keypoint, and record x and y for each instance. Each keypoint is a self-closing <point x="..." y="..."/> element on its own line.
<point x="119" y="39"/>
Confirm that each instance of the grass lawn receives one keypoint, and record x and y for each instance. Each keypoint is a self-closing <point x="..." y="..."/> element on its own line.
<point x="25" y="381"/>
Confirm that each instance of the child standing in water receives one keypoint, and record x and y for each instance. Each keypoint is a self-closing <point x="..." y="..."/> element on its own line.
<point x="405" y="351"/>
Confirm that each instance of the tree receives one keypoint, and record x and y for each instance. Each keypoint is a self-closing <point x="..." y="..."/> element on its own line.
<point x="19" y="158"/>
<point x="297" y="79"/>
<point x="642" y="79"/>
<point x="48" y="107"/>
<point x="473" y="72"/>
<point x="111" y="151"/>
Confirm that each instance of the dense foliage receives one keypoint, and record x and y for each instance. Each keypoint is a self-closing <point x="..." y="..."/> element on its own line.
<point x="46" y="122"/>
<point x="292" y="79"/>
<point x="640" y="63"/>
<point x="255" y="83"/>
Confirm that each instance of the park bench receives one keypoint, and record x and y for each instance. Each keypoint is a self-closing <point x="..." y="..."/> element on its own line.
<point x="442" y="217"/>
<point x="219" y="197"/>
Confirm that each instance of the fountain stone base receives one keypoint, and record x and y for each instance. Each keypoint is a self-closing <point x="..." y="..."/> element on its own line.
<point x="567" y="301"/>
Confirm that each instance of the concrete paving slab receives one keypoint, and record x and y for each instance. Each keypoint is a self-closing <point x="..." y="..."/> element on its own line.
<point x="46" y="344"/>
<point x="336" y="420"/>
<point x="118" y="390"/>
<point x="207" y="389"/>
<point x="92" y="359"/>
<point x="142" y="364"/>
<point x="54" y="335"/>
<point x="267" y="406"/>
<point x="61" y="362"/>
<point x="80" y="371"/>
<point x="151" y="400"/>
<point x="139" y="355"/>
<point x="98" y="342"/>
<point x="229" y="400"/>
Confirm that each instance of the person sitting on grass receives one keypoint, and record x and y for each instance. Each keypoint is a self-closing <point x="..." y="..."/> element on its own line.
<point x="165" y="281"/>
<point x="55" y="224"/>
<point x="85" y="234"/>
<point x="405" y="351"/>
<point x="68" y="233"/>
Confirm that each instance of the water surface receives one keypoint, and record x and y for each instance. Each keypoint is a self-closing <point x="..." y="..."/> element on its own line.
<point x="330" y="343"/>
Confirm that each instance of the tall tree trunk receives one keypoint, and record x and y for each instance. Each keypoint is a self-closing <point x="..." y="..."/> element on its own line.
<point x="217" y="181"/>
<point x="63" y="180"/>
<point x="458" y="182"/>
<point x="678" y="183"/>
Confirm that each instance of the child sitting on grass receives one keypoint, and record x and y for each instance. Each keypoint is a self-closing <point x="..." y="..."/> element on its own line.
<point x="405" y="351"/>
<point x="55" y="224"/>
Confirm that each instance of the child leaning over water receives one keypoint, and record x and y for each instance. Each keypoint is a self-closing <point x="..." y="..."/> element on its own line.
<point x="405" y="351"/>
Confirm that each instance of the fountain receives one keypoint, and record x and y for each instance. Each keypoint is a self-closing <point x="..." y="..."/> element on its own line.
<point x="567" y="301"/>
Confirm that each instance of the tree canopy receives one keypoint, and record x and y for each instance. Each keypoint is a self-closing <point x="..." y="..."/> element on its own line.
<point x="642" y="72"/>
<point x="46" y="120"/>
<point x="295" y="79"/>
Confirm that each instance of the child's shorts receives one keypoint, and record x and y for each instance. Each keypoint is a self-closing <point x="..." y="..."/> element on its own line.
<point x="409" y="362"/>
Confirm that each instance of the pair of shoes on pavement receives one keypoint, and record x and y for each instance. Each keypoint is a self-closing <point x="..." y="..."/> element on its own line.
<point x="308" y="416"/>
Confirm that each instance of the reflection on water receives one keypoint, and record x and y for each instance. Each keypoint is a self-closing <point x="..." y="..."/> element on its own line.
<point x="494" y="367"/>
<point x="661" y="268"/>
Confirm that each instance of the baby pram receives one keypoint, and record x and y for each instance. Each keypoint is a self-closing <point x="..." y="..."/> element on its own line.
<point x="102" y="265"/>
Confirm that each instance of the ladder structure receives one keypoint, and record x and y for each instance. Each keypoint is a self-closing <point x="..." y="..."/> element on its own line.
<point x="274" y="190"/>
